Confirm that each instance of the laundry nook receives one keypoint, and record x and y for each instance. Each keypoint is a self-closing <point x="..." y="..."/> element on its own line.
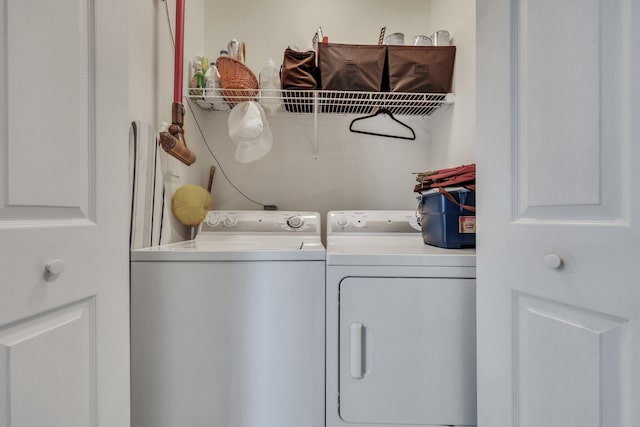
<point x="358" y="213"/>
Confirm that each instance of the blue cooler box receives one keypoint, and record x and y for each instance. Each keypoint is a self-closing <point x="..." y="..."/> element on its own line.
<point x="445" y="224"/>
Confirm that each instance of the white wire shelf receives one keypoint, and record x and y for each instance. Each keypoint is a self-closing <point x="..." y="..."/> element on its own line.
<point x="323" y="101"/>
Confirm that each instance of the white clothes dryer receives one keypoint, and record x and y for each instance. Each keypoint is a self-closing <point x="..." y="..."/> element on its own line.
<point x="228" y="329"/>
<point x="400" y="325"/>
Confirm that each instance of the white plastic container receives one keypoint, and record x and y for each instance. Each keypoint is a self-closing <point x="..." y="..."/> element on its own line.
<point x="270" y="94"/>
<point x="210" y="78"/>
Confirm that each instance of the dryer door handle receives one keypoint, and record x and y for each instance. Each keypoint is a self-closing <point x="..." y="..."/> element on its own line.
<point x="357" y="362"/>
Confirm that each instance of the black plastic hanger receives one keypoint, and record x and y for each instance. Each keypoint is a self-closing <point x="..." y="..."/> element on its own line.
<point x="387" y="112"/>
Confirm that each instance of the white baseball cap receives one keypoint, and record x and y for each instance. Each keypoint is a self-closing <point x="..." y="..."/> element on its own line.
<point x="249" y="130"/>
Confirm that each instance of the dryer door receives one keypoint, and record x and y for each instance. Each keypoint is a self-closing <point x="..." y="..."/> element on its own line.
<point x="407" y="350"/>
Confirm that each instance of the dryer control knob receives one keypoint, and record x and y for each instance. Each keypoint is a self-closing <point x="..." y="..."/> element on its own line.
<point x="342" y="221"/>
<point x="230" y="221"/>
<point x="295" y="221"/>
<point x="360" y="223"/>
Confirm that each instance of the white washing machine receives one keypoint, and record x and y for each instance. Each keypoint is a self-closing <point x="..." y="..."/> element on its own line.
<point x="400" y="325"/>
<point x="227" y="330"/>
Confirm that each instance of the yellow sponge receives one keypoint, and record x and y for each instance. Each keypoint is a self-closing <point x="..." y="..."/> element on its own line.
<point x="191" y="203"/>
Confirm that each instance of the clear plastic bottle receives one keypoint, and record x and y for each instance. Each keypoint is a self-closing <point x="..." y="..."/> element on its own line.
<point x="270" y="95"/>
<point x="213" y="92"/>
<point x="210" y="80"/>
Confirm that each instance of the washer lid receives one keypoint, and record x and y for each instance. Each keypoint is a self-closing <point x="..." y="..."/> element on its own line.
<point x="236" y="248"/>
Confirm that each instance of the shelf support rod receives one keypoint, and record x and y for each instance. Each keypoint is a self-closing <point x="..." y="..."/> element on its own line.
<point x="315" y="125"/>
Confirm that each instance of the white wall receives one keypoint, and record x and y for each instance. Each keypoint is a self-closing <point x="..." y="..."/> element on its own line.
<point x="269" y="26"/>
<point x="458" y="127"/>
<point x="350" y="171"/>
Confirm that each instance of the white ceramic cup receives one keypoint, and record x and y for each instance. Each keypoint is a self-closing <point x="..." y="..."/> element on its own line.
<point x="421" y="40"/>
<point x="441" y="38"/>
<point x="394" y="39"/>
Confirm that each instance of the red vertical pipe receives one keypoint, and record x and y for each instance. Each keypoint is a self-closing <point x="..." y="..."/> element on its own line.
<point x="179" y="57"/>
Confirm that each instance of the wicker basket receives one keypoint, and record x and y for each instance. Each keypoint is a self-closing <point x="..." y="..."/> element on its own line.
<point x="237" y="80"/>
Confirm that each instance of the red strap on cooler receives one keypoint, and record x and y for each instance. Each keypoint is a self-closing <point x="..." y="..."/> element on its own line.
<point x="453" y="200"/>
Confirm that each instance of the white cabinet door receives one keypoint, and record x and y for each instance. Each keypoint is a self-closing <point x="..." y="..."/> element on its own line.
<point x="407" y="351"/>
<point x="64" y="345"/>
<point x="559" y="205"/>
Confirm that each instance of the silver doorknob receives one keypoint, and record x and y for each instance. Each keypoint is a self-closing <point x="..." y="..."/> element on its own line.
<point x="552" y="261"/>
<point x="55" y="267"/>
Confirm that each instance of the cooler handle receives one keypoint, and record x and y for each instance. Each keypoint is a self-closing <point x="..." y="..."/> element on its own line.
<point x="418" y="213"/>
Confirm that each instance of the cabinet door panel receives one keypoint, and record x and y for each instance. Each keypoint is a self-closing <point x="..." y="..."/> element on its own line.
<point x="49" y="110"/>
<point x="564" y="383"/>
<point x="48" y="367"/>
<point x="568" y="95"/>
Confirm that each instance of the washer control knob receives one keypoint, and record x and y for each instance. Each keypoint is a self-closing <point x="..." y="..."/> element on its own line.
<point x="342" y="221"/>
<point x="213" y="220"/>
<point x="55" y="267"/>
<point x="230" y="221"/>
<point x="552" y="261"/>
<point x="295" y="221"/>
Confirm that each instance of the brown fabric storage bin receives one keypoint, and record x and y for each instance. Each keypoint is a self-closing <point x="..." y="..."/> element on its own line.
<point x="298" y="77"/>
<point x="351" y="66"/>
<point x="298" y="70"/>
<point x="421" y="68"/>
